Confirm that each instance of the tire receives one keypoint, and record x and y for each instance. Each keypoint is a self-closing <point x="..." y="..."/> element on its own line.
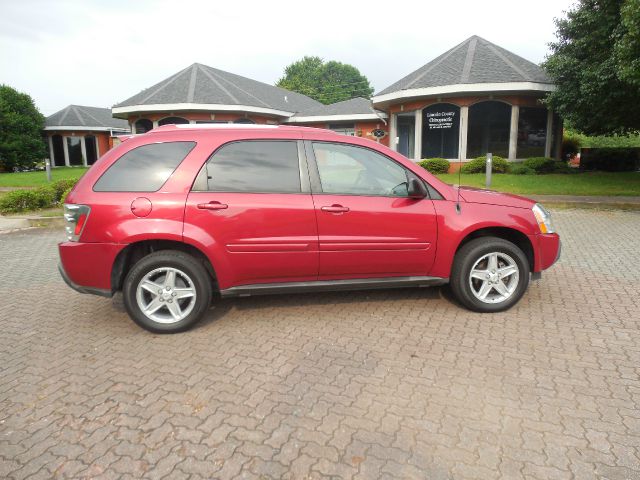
<point x="501" y="289"/>
<point x="173" y="286"/>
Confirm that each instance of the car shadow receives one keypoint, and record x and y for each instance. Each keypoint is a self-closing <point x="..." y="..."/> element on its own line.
<point x="223" y="306"/>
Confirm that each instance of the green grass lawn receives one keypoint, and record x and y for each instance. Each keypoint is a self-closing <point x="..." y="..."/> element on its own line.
<point x="590" y="183"/>
<point x="35" y="179"/>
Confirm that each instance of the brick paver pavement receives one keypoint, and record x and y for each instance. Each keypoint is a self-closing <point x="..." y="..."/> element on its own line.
<point x="381" y="384"/>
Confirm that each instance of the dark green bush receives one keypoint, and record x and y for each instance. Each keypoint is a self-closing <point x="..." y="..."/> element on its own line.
<point x="23" y="200"/>
<point x="521" y="169"/>
<point x="540" y="164"/>
<point x="610" y="159"/>
<point x="477" y="165"/>
<point x="570" y="145"/>
<point x="435" y="165"/>
<point x="64" y="194"/>
<point x="62" y="187"/>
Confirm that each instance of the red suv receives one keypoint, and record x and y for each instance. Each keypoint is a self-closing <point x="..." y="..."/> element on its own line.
<point x="183" y="215"/>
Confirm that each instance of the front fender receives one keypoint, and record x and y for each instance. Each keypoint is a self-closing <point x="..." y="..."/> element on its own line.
<point x="454" y="227"/>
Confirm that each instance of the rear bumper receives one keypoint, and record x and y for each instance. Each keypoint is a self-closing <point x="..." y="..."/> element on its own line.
<point x="86" y="267"/>
<point x="79" y="289"/>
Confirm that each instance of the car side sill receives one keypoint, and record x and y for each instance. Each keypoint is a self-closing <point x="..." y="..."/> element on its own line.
<point x="332" y="285"/>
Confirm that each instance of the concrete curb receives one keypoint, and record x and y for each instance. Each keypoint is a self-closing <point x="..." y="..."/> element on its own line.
<point x="19" y="223"/>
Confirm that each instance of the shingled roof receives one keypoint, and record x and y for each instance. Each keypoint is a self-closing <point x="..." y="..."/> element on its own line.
<point x="202" y="85"/>
<point x="93" y="118"/>
<point x="474" y="61"/>
<point x="356" y="108"/>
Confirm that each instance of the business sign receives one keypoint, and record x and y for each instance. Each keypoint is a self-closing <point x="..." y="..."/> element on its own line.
<point x="440" y="120"/>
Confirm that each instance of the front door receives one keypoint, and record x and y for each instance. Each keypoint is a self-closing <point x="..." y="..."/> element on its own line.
<point x="367" y="224"/>
<point x="254" y="211"/>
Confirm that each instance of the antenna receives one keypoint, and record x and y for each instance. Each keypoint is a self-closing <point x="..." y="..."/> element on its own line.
<point x="459" y="180"/>
<point x="459" y="174"/>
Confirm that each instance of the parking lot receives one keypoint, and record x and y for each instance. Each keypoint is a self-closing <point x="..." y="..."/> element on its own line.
<point x="379" y="384"/>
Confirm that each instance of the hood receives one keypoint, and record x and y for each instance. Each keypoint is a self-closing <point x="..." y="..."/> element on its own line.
<point x="477" y="195"/>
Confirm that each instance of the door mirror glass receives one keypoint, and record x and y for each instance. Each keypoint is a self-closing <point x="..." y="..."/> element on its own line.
<point x="416" y="188"/>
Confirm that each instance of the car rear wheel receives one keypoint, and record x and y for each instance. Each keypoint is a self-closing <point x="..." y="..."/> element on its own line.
<point x="489" y="274"/>
<point x="167" y="291"/>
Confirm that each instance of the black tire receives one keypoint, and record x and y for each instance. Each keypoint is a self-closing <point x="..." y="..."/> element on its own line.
<point x="191" y="269"/>
<point x="465" y="260"/>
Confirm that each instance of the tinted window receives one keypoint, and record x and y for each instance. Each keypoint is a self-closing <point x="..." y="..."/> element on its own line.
<point x="350" y="170"/>
<point x="144" y="169"/>
<point x="254" y="166"/>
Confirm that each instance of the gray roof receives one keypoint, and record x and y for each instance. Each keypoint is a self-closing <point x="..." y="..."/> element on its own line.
<point x="206" y="85"/>
<point x="79" y="116"/>
<point x="353" y="106"/>
<point x="475" y="60"/>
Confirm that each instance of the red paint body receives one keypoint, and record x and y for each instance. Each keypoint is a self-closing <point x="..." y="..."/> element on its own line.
<point x="266" y="238"/>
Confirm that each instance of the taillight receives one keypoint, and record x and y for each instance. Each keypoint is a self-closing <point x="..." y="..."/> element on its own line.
<point x="76" y="218"/>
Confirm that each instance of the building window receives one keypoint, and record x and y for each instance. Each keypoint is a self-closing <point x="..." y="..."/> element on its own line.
<point x="58" y="151"/>
<point x="489" y="126"/>
<point x="74" y="148"/>
<point x="90" y="144"/>
<point x="440" y="131"/>
<point x="406" y="134"/>
<point x="243" y="120"/>
<point x="532" y="132"/>
<point x="343" y="128"/>
<point x="173" y="121"/>
<point x="142" y="125"/>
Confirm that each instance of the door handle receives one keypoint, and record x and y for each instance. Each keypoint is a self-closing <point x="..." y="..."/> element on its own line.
<point x="212" y="206"/>
<point x="335" y="208"/>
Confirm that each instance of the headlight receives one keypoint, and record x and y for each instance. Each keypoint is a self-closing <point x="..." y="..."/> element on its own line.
<point x="543" y="217"/>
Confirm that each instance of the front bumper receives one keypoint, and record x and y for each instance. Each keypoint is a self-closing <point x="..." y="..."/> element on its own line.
<point x="548" y="250"/>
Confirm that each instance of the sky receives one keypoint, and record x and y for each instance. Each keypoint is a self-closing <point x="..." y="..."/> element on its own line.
<point x="99" y="53"/>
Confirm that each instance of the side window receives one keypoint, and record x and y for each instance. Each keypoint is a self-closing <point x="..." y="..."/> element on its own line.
<point x="351" y="170"/>
<point x="144" y="169"/>
<point x="253" y="166"/>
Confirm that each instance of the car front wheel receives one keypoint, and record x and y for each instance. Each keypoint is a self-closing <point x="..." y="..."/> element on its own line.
<point x="489" y="274"/>
<point x="167" y="291"/>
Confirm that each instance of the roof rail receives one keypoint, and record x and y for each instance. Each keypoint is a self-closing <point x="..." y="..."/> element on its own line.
<point x="212" y="126"/>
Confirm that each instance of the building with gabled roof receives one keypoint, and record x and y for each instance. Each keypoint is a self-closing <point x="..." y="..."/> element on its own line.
<point x="78" y="135"/>
<point x="475" y="98"/>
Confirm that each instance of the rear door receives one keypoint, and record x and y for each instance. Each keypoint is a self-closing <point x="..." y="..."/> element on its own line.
<point x="367" y="224"/>
<point x="252" y="209"/>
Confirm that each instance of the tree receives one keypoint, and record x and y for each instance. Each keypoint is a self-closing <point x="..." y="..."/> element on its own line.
<point x="595" y="64"/>
<point x="21" y="125"/>
<point x="327" y="82"/>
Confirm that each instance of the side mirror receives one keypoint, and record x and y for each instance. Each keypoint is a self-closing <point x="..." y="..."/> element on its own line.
<point x="416" y="189"/>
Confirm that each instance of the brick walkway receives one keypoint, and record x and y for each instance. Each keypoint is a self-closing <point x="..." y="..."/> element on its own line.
<point x="383" y="384"/>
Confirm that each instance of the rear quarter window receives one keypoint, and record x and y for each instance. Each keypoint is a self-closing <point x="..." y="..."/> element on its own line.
<point x="144" y="169"/>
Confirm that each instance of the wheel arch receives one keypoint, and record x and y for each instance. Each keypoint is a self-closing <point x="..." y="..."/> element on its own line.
<point x="133" y="252"/>
<point x="512" y="235"/>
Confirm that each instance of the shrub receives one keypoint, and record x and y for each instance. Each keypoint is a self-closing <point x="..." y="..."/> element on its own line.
<point x="610" y="159"/>
<point x="64" y="194"/>
<point x="540" y="164"/>
<point x="62" y="188"/>
<point x="435" y="165"/>
<point x="23" y="200"/>
<point x="571" y="143"/>
<point x="477" y="165"/>
<point x="521" y="169"/>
